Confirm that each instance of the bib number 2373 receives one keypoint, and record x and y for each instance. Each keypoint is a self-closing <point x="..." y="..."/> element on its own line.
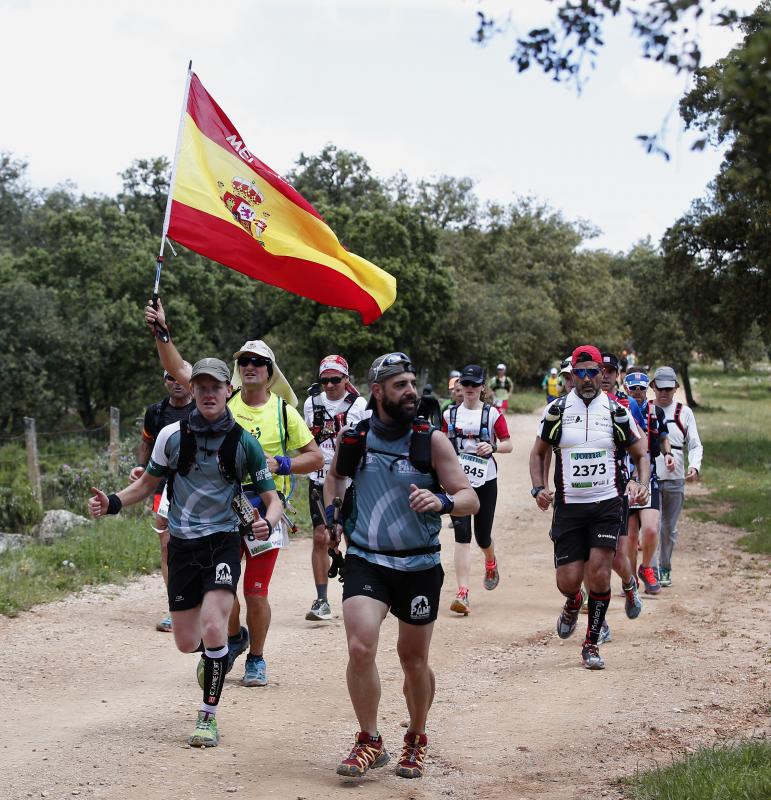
<point x="589" y="469"/>
<point x="474" y="468"/>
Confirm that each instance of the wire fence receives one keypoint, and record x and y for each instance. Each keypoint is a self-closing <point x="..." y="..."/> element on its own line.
<point x="41" y="470"/>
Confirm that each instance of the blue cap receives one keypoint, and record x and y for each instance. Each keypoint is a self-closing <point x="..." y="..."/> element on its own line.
<point x="637" y="379"/>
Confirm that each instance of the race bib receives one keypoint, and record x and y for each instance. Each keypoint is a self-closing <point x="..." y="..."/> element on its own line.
<point x="278" y="538"/>
<point x="474" y="468"/>
<point x="589" y="469"/>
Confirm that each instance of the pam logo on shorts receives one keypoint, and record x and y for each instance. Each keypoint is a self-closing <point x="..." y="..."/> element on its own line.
<point x="419" y="608"/>
<point x="222" y="574"/>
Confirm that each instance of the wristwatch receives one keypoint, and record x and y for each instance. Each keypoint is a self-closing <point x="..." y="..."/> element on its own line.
<point x="536" y="489"/>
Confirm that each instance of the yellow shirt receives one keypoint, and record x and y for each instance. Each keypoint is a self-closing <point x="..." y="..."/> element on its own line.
<point x="266" y="424"/>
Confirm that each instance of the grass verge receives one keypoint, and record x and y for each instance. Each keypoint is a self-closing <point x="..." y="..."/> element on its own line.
<point x="736" y="772"/>
<point x="734" y="424"/>
<point x="526" y="401"/>
<point x="110" y="551"/>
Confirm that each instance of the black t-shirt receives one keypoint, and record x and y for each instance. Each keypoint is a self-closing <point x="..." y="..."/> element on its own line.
<point x="163" y="413"/>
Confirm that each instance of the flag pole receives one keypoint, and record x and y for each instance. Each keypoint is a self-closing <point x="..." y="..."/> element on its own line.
<point x="161" y="332"/>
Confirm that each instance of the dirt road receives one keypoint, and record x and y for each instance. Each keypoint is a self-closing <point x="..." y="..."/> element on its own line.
<point x="99" y="705"/>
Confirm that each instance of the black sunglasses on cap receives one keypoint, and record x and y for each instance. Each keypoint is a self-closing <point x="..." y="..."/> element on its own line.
<point x="337" y="379"/>
<point x="257" y="361"/>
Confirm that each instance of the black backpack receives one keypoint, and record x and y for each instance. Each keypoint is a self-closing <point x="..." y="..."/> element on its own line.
<point x="484" y="426"/>
<point x="226" y="455"/>
<point x="320" y="414"/>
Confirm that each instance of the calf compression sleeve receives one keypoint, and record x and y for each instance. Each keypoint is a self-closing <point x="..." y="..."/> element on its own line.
<point x="598" y="606"/>
<point x="215" y="662"/>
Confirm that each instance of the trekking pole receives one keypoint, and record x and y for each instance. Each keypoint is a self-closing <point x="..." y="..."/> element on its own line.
<point x="162" y="333"/>
<point x="338" y="560"/>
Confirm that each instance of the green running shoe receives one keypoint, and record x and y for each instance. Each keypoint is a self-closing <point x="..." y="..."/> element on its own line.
<point x="205" y="733"/>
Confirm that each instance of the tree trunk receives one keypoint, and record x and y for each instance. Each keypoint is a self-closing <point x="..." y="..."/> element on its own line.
<point x="85" y="407"/>
<point x="689" y="399"/>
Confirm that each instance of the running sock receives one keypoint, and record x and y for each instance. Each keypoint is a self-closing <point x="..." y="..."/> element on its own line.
<point x="631" y="586"/>
<point x="490" y="564"/>
<point x="321" y="591"/>
<point x="235" y="639"/>
<point x="210" y="710"/>
<point x="598" y="606"/>
<point x="215" y="662"/>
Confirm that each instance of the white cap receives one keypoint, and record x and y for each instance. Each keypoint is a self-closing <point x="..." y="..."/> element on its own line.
<point x="277" y="383"/>
<point x="501" y="366"/>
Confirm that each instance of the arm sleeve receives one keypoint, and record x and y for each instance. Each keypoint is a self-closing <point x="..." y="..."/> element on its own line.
<point x="298" y="434"/>
<point x="256" y="465"/>
<point x="695" y="447"/>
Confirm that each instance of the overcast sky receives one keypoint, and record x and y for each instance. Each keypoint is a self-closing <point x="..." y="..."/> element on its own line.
<point x="90" y="85"/>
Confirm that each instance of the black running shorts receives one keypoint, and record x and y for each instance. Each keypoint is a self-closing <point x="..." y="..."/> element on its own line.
<point x="316" y="518"/>
<point x="197" y="566"/>
<point x="578" y="527"/>
<point x="412" y="597"/>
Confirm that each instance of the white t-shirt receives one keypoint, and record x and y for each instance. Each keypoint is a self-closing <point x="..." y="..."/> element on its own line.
<point x="586" y="466"/>
<point x="680" y="442"/>
<point x="468" y="421"/>
<point x="333" y="408"/>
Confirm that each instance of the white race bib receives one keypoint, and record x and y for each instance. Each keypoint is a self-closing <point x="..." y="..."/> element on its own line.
<point x="278" y="538"/>
<point x="474" y="468"/>
<point x="589" y="469"/>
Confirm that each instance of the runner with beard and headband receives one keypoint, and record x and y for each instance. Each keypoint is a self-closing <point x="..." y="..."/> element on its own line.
<point x="263" y="404"/>
<point x="405" y="474"/>
<point x="333" y="403"/>
<point x="586" y="430"/>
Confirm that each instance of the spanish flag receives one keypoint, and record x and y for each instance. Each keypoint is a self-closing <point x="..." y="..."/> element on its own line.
<point x="229" y="206"/>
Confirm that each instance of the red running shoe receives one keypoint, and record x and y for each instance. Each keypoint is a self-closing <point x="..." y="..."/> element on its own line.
<point x="413" y="755"/>
<point x="368" y="752"/>
<point x="648" y="577"/>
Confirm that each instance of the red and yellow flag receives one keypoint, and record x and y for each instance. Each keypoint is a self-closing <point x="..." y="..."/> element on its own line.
<point x="229" y="206"/>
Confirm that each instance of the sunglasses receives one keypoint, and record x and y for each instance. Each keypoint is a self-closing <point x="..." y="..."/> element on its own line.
<point x="470" y="383"/>
<point x="391" y="360"/>
<point x="636" y="387"/>
<point x="256" y="361"/>
<point x="586" y="372"/>
<point x="337" y="379"/>
<point x="169" y="378"/>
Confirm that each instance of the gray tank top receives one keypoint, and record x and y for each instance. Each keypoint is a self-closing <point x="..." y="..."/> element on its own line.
<point x="382" y="518"/>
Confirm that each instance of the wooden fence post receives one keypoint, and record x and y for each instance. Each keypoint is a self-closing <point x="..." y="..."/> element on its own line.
<point x="33" y="464"/>
<point x="114" y="439"/>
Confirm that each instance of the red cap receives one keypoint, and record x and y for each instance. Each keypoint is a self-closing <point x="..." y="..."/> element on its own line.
<point x="586" y="352"/>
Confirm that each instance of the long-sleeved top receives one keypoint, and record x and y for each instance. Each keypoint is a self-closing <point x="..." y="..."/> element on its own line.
<point x="682" y="437"/>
